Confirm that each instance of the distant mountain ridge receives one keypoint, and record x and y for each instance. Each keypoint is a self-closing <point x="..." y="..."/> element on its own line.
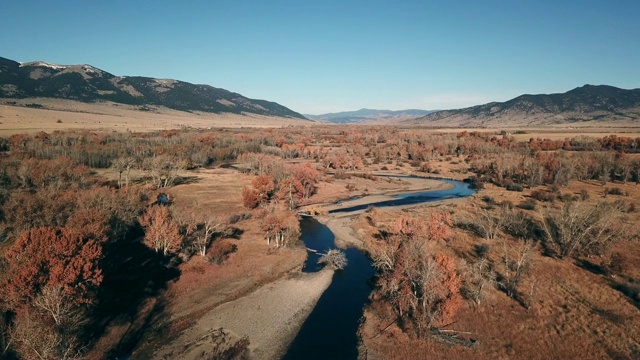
<point x="88" y="84"/>
<point x="364" y="115"/>
<point x="586" y="103"/>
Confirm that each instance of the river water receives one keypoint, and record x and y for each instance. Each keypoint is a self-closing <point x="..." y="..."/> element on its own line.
<point x="330" y="331"/>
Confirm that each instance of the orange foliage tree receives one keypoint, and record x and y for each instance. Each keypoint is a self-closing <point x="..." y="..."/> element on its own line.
<point x="422" y="286"/>
<point x="161" y="231"/>
<point x="280" y="226"/>
<point x="58" y="258"/>
<point x="263" y="186"/>
<point x="307" y="176"/>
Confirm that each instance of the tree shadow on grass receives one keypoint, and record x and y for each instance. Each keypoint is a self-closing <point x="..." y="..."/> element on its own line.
<point x="590" y="266"/>
<point x="133" y="274"/>
<point x="630" y="288"/>
<point x="185" y="180"/>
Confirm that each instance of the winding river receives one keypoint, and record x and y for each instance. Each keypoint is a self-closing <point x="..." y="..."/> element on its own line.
<point x="330" y="331"/>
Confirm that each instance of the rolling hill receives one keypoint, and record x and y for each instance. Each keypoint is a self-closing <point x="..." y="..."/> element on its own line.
<point x="589" y="103"/>
<point x="89" y="84"/>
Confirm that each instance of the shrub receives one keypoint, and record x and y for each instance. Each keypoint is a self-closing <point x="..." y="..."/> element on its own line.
<point x="221" y="250"/>
<point x="529" y="204"/>
<point x="239" y="217"/>
<point x="507" y="204"/>
<point x="481" y="250"/>
<point x="584" y="195"/>
<point x="425" y="167"/>
<point x="630" y="289"/>
<point x="515" y="187"/>
<point x="566" y="197"/>
<point x="489" y="200"/>
<point x="614" y="191"/>
<point x="615" y="264"/>
<point x="342" y="175"/>
<point x="475" y="183"/>
<point x="542" y="195"/>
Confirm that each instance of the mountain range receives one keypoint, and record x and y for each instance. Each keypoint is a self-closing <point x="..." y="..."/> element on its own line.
<point x="87" y="83"/>
<point x="366" y="115"/>
<point x="587" y="103"/>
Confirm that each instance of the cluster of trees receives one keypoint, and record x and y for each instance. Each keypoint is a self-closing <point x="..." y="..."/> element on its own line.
<point x="288" y="183"/>
<point x="421" y="284"/>
<point x="578" y="228"/>
<point x="56" y="222"/>
<point x="533" y="169"/>
<point x="66" y="235"/>
<point x="280" y="226"/>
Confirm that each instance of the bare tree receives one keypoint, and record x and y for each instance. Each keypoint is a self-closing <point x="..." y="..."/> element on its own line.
<point x="478" y="278"/>
<point x="334" y="258"/>
<point x="485" y="222"/>
<point x="60" y="306"/>
<point x="516" y="262"/>
<point x="163" y="169"/>
<point x="35" y="339"/>
<point x="580" y="227"/>
<point x="123" y="165"/>
<point x="207" y="228"/>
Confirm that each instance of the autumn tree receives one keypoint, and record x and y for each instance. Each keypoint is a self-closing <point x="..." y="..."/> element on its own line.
<point x="52" y="273"/>
<point x="422" y="286"/>
<point x="250" y="198"/>
<point x="290" y="191"/>
<point x="307" y="176"/>
<point x="161" y="231"/>
<point x="263" y="186"/>
<point x="280" y="226"/>
<point x="53" y="257"/>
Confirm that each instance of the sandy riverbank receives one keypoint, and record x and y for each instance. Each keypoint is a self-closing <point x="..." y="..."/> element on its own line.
<point x="270" y="317"/>
<point x="340" y="223"/>
<point x="410" y="185"/>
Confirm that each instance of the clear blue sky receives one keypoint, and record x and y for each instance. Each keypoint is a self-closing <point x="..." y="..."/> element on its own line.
<point x="320" y="56"/>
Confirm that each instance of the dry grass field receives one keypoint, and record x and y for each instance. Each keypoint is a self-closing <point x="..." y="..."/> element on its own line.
<point x="19" y="116"/>
<point x="574" y="309"/>
<point x="72" y="115"/>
